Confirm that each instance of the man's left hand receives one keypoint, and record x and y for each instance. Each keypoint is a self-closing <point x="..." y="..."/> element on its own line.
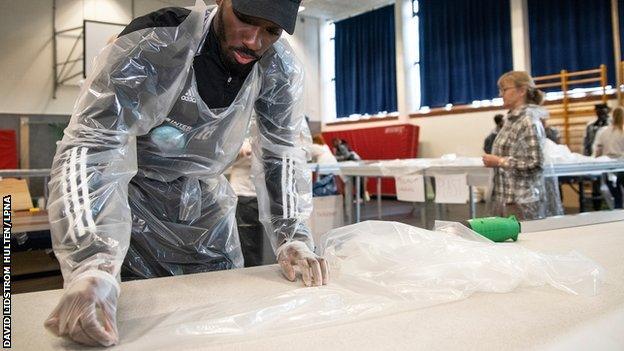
<point x="314" y="269"/>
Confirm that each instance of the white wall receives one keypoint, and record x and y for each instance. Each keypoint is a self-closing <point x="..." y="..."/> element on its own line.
<point x="461" y="134"/>
<point x="305" y="43"/>
<point x="27" y="79"/>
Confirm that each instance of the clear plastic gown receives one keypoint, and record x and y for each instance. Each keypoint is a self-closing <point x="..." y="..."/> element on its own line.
<point x="138" y="173"/>
<point x="550" y="197"/>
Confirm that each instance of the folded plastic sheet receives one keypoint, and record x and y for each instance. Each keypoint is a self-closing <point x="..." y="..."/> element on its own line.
<point x="412" y="165"/>
<point x="561" y="154"/>
<point x="379" y="268"/>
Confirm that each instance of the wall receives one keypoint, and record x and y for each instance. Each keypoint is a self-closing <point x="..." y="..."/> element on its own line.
<point x="26" y="59"/>
<point x="305" y="43"/>
<point x="462" y="134"/>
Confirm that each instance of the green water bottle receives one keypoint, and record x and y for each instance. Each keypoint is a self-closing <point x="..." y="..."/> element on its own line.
<point x="497" y="229"/>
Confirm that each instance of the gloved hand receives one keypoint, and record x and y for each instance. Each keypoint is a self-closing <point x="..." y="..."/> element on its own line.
<point x="87" y="312"/>
<point x="314" y="269"/>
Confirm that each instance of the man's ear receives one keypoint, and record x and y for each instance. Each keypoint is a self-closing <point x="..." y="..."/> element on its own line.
<point x="219" y="2"/>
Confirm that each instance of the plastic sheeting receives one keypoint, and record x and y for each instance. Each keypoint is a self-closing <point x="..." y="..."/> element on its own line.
<point x="413" y="165"/>
<point x="550" y="198"/>
<point x="561" y="154"/>
<point x="378" y="268"/>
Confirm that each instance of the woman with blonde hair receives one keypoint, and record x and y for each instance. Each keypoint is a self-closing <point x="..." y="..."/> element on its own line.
<point x="610" y="142"/>
<point x="517" y="156"/>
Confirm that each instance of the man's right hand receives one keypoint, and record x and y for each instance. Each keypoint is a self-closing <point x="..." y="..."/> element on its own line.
<point x="87" y="312"/>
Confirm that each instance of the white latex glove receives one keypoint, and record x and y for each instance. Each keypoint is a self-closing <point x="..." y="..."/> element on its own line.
<point x="87" y="312"/>
<point x="313" y="268"/>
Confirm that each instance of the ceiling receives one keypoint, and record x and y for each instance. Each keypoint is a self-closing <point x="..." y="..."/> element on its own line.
<point x="339" y="9"/>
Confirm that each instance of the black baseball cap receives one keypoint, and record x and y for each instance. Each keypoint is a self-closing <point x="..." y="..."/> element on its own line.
<point x="281" y="12"/>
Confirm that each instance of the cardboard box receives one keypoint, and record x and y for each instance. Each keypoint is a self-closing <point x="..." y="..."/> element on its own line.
<point x="18" y="189"/>
<point x="328" y="213"/>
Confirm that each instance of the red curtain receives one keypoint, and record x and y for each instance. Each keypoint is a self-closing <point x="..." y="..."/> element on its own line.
<point x="8" y="149"/>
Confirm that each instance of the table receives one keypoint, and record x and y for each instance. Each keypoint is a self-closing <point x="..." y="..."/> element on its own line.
<point x="29" y="173"/>
<point x="24" y="221"/>
<point x="535" y="318"/>
<point x="473" y="167"/>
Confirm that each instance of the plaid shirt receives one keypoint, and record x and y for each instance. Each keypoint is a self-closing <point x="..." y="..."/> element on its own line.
<point x="521" y="180"/>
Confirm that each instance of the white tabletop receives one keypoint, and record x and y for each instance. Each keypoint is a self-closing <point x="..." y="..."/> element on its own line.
<point x="524" y="319"/>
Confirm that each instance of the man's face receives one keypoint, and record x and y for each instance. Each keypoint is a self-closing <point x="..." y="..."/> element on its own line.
<point x="243" y="39"/>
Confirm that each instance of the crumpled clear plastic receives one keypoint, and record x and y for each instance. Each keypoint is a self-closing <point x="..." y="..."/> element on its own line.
<point x="559" y="153"/>
<point x="378" y="268"/>
<point x="412" y="165"/>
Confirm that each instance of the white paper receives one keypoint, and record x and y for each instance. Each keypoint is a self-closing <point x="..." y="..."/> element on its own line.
<point x="451" y="188"/>
<point x="410" y="188"/>
<point x="326" y="215"/>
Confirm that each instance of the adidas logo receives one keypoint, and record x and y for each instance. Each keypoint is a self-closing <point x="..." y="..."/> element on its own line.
<point x="188" y="96"/>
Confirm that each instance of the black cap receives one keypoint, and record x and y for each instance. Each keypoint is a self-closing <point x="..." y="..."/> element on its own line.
<point x="281" y="12"/>
<point x="602" y="107"/>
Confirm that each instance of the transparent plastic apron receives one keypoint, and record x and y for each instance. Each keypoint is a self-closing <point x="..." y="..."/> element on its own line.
<point x="183" y="208"/>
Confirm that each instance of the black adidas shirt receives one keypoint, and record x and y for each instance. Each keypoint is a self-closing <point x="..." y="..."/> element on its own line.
<point x="217" y="86"/>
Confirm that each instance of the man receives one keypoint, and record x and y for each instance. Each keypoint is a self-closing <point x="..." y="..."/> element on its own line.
<point x="602" y="120"/>
<point x="489" y="141"/>
<point x="137" y="186"/>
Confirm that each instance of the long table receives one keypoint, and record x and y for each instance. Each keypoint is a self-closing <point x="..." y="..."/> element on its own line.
<point x="355" y="171"/>
<point x="475" y="171"/>
<point x="530" y="318"/>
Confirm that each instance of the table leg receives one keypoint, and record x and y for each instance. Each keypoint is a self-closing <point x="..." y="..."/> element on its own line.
<point x="358" y="197"/>
<point x="379" y="197"/>
<point x="581" y="195"/>
<point x="348" y="188"/>
<point x="473" y="210"/>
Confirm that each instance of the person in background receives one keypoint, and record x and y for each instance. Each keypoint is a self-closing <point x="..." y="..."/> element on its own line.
<point x="602" y="120"/>
<point x="343" y="151"/>
<point x="517" y="156"/>
<point x="487" y="144"/>
<point x="550" y="132"/>
<point x="321" y="153"/>
<point x="610" y="142"/>
<point x="250" y="229"/>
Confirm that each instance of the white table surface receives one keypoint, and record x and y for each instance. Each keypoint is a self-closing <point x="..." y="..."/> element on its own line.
<point x="531" y="318"/>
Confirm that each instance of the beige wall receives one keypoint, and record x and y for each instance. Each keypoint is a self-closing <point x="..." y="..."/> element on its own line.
<point x="305" y="43"/>
<point x="26" y="74"/>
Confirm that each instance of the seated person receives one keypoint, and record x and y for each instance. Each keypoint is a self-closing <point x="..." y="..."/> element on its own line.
<point x="343" y="151"/>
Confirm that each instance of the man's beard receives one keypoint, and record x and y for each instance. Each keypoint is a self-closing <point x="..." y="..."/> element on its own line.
<point x="230" y="62"/>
